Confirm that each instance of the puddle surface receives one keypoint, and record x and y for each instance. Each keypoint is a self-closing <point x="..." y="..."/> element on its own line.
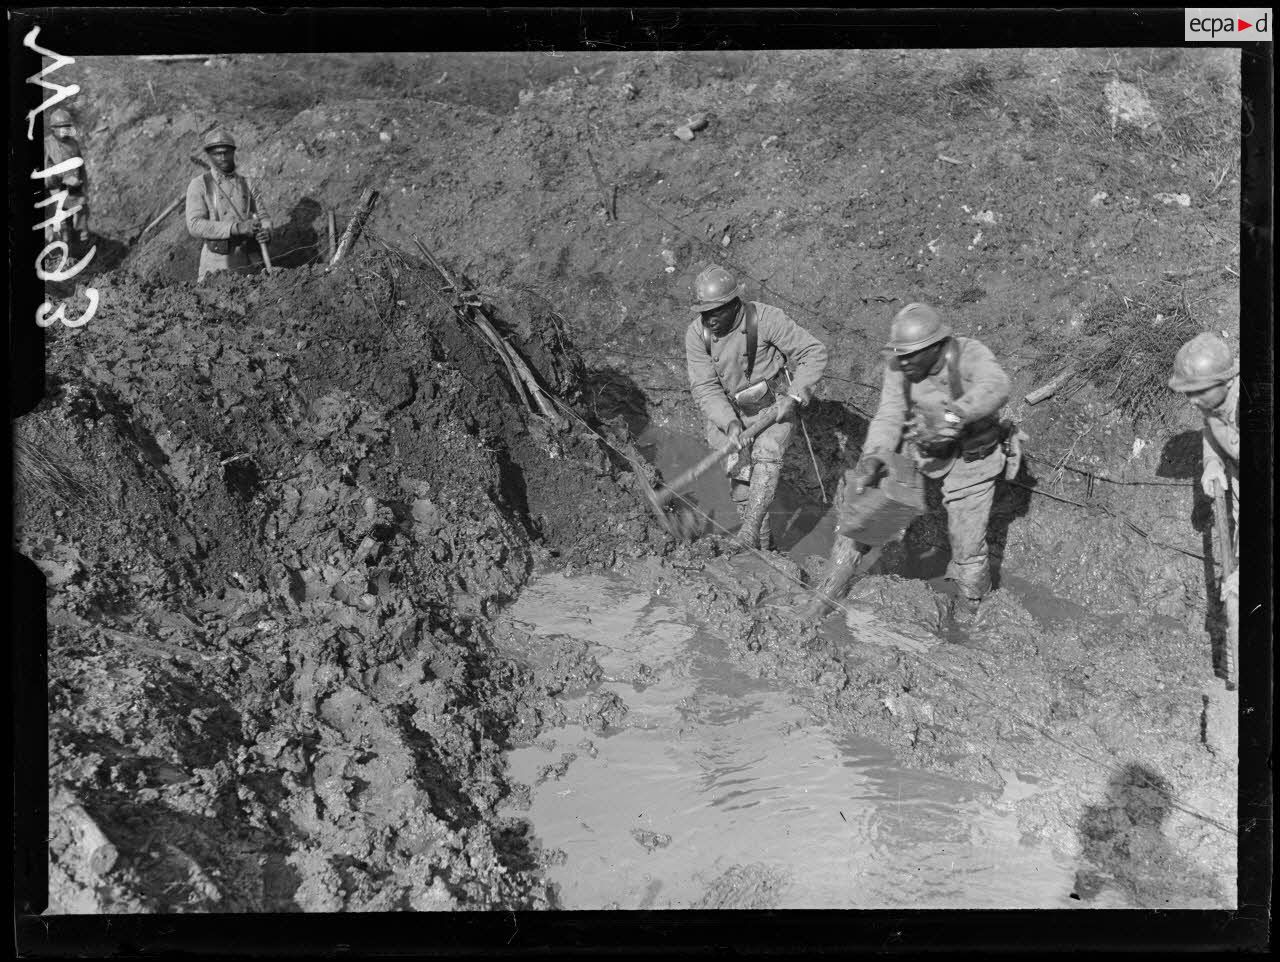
<point x="719" y="792"/>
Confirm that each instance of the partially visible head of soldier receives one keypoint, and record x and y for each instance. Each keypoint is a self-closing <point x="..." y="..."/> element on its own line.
<point x="1203" y="369"/>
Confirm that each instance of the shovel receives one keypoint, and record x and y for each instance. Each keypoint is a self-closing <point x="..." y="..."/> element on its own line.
<point x="681" y="522"/>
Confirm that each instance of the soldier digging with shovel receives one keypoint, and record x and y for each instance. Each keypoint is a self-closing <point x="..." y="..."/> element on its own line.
<point x="737" y="353"/>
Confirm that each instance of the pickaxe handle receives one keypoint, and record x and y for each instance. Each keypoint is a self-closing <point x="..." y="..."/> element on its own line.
<point x="706" y="464"/>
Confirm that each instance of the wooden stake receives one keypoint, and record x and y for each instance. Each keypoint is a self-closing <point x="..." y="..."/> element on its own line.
<point x="100" y="854"/>
<point x="333" y="233"/>
<point x="1049" y="388"/>
<point x="356" y="225"/>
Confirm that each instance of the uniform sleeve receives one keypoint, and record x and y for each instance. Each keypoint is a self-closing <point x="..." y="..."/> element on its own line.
<point x="199" y="223"/>
<point x="797" y="345"/>
<point x="986" y="386"/>
<point x="704" y="383"/>
<point x="1211" y="454"/>
<point x="886" y="427"/>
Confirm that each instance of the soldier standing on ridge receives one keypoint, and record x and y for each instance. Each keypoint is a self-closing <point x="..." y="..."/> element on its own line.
<point x="1207" y="373"/>
<point x="737" y="353"/>
<point x="225" y="211"/>
<point x="941" y="397"/>
<point x="62" y="144"/>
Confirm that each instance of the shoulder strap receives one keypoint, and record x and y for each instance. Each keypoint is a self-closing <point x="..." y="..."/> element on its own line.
<point x="953" y="368"/>
<point x="209" y="192"/>
<point x="751" y="330"/>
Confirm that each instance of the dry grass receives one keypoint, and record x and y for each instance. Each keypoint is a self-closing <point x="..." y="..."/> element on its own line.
<point x="1128" y="355"/>
<point x="35" y="469"/>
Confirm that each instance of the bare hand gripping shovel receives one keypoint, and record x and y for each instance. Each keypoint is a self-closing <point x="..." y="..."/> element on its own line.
<point x="681" y="522"/>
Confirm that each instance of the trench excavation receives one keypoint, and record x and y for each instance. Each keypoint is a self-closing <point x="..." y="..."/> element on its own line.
<point x="342" y="620"/>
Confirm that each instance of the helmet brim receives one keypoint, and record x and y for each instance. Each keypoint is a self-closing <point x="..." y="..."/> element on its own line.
<point x="1187" y="385"/>
<point x="711" y="305"/>
<point x="209" y="147"/>
<point x="940" y="334"/>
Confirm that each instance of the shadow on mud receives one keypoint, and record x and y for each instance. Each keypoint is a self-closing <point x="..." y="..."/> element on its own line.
<point x="108" y="253"/>
<point x="611" y="395"/>
<point x="1182" y="458"/>
<point x="297" y="243"/>
<point x="926" y="549"/>
<point x="1123" y="846"/>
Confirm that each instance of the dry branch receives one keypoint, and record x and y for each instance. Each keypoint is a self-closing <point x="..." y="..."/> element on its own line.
<point x="475" y="312"/>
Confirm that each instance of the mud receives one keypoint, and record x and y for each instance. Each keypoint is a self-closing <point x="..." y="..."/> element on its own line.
<point x="271" y="683"/>
<point x="279" y="675"/>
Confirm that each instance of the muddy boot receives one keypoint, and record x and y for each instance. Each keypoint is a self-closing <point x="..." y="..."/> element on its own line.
<point x="764" y="484"/>
<point x="964" y="611"/>
<point x="766" y="532"/>
<point x="840" y="569"/>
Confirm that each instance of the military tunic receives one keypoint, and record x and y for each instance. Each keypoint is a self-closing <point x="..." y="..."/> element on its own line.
<point x="212" y="214"/>
<point x="968" y="487"/>
<point x="717" y="376"/>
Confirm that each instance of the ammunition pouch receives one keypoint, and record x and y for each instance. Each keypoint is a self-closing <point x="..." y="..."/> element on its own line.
<point x="982" y="442"/>
<point x="755" y="398"/>
<point x="225" y="246"/>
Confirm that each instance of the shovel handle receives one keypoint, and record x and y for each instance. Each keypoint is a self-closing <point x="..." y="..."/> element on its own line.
<point x="1223" y="530"/>
<point x="711" y="460"/>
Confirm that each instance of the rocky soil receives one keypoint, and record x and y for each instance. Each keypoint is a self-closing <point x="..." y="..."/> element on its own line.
<point x="272" y="682"/>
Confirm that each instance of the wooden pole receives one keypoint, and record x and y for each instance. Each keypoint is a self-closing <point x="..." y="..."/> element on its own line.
<point x="1049" y="388"/>
<point x="349" y="236"/>
<point x="333" y="233"/>
<point x="163" y="214"/>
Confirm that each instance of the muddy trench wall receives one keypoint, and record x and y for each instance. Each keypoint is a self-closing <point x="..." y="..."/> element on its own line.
<point x="310" y="493"/>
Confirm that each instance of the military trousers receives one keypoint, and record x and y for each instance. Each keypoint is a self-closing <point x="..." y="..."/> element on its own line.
<point x="968" y="491"/>
<point x="769" y="446"/>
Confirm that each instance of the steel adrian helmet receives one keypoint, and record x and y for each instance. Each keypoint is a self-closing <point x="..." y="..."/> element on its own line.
<point x="1202" y="362"/>
<point x="61" y="118"/>
<point x="218" y="137"/>
<point x="713" y="287"/>
<point x="914" y="328"/>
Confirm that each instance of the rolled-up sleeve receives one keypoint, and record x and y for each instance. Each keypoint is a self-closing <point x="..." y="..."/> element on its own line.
<point x="885" y="430"/>
<point x="986" y="386"/>
<point x="199" y="223"/>
<point x="704" y="383"/>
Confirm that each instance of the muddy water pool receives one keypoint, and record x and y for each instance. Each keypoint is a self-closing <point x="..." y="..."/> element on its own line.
<point x="718" y="790"/>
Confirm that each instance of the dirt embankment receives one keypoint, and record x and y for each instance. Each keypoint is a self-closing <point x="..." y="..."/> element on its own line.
<point x="270" y="681"/>
<point x="315" y="487"/>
